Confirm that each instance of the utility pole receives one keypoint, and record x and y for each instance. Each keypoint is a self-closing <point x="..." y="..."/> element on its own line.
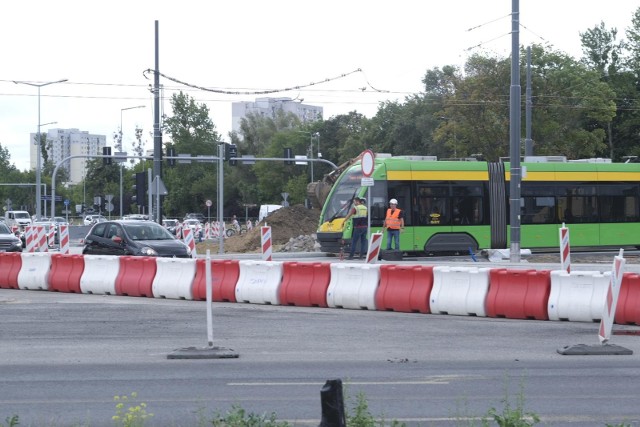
<point x="157" y="135"/>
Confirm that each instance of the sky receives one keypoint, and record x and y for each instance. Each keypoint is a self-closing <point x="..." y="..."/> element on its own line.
<point x="103" y="49"/>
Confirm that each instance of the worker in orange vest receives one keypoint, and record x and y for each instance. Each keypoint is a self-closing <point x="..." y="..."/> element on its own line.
<point x="393" y="223"/>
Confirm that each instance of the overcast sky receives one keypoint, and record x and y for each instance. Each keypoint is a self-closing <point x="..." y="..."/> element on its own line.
<point x="102" y="48"/>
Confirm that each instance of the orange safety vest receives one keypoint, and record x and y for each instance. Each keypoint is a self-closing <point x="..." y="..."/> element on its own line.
<point x="393" y="219"/>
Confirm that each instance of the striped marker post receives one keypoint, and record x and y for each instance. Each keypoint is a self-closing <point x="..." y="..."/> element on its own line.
<point x="51" y="236"/>
<point x="265" y="233"/>
<point x="30" y="238"/>
<point x="207" y="231"/>
<point x="64" y="239"/>
<point x="609" y="310"/>
<point x="179" y="230"/>
<point x="565" y="249"/>
<point x="189" y="240"/>
<point x="374" y="248"/>
<point x="41" y="242"/>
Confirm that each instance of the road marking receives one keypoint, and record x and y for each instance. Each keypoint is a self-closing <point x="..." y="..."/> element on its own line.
<point x="440" y="380"/>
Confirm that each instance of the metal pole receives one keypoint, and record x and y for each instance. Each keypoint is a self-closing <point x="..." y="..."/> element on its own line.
<point x="220" y="198"/>
<point x="514" y="134"/>
<point x="209" y="291"/>
<point x="528" y="142"/>
<point x="122" y="148"/>
<point x="157" y="136"/>
<point x="38" y="165"/>
<point x="311" y="154"/>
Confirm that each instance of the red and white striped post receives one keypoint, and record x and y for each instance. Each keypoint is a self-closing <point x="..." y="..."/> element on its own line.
<point x="30" y="235"/>
<point x="565" y="249"/>
<point x="41" y="243"/>
<point x="189" y="240"/>
<point x="51" y="236"/>
<point x="265" y="233"/>
<point x="207" y="231"/>
<point x="179" y="230"/>
<point x="64" y="239"/>
<point x="613" y="290"/>
<point x="374" y="248"/>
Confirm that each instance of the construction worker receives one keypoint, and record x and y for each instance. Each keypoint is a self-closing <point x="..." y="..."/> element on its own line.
<point x="359" y="233"/>
<point x="393" y="223"/>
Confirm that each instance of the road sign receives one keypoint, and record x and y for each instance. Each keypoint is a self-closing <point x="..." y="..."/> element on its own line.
<point x="66" y="202"/>
<point x="366" y="182"/>
<point x="157" y="183"/>
<point x="208" y="203"/>
<point x="367" y="163"/>
<point x="109" y="207"/>
<point x="108" y="197"/>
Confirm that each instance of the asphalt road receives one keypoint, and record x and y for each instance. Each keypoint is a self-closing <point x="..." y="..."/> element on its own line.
<point x="63" y="357"/>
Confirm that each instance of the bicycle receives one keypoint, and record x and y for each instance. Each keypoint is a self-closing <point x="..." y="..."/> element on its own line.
<point x="233" y="231"/>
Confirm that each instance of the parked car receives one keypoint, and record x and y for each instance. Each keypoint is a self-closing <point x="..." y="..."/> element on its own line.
<point x="92" y="219"/>
<point x="9" y="242"/>
<point x="137" y="238"/>
<point x="197" y="216"/>
<point x="170" y="225"/>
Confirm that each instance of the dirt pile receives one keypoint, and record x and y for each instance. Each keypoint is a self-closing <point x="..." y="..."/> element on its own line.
<point x="285" y="223"/>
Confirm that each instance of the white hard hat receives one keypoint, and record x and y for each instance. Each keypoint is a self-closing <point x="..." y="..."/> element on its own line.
<point x="393" y="202"/>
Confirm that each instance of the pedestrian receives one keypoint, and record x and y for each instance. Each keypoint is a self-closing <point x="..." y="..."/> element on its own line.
<point x="393" y="223"/>
<point x="359" y="232"/>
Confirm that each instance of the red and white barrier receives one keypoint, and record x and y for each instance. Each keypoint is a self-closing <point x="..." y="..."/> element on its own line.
<point x="613" y="290"/>
<point x="174" y="278"/>
<point x="41" y="242"/>
<point x="34" y="273"/>
<point x="374" y="248"/>
<point x="459" y="290"/>
<point x="565" y="249"/>
<point x="353" y="286"/>
<point x="259" y="282"/>
<point x="577" y="296"/>
<point x="30" y="236"/>
<point x="179" y="231"/>
<point x="207" y="231"/>
<point x="51" y="236"/>
<point x="189" y="240"/>
<point x="100" y="274"/>
<point x="64" y="239"/>
<point x="265" y="233"/>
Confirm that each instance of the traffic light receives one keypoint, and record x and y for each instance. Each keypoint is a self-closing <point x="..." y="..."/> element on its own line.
<point x="139" y="189"/>
<point x="171" y="152"/>
<point x="288" y="154"/>
<point x="106" y="151"/>
<point x="233" y="153"/>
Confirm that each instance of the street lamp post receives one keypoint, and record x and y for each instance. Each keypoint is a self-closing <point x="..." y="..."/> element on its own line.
<point x="121" y="148"/>
<point x="38" y="143"/>
<point x="45" y="185"/>
<point x="311" y="135"/>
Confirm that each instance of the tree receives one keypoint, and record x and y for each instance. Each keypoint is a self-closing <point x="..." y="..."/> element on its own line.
<point x="190" y="128"/>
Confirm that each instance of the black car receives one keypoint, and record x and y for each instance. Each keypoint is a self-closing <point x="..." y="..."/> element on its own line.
<point x="9" y="242"/>
<point x="138" y="238"/>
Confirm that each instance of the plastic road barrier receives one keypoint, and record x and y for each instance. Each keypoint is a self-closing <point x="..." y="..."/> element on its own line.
<point x="613" y="290"/>
<point x="265" y="234"/>
<point x="64" y="239"/>
<point x="259" y="282"/>
<point x="404" y="288"/>
<point x="66" y="272"/>
<point x="353" y="286"/>
<point x="10" y="265"/>
<point x="136" y="276"/>
<point x="374" y="248"/>
<point x="565" y="249"/>
<point x="51" y="236"/>
<point x="459" y="290"/>
<point x="34" y="273"/>
<point x="577" y="296"/>
<point x="179" y="230"/>
<point x="100" y="274"/>
<point x="305" y="284"/>
<point x="518" y="294"/>
<point x="30" y="237"/>
<point x="628" y="311"/>
<point x="224" y="277"/>
<point x="174" y="278"/>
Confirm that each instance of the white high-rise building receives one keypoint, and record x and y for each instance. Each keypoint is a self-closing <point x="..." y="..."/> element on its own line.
<point x="268" y="107"/>
<point x="62" y="143"/>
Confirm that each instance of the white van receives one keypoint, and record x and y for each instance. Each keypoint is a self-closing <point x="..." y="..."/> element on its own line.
<point x="19" y="218"/>
<point x="266" y="210"/>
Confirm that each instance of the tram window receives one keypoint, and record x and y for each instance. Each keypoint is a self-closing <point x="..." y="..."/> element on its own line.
<point x="579" y="209"/>
<point x="433" y="205"/>
<point x="467" y="211"/>
<point x="538" y="210"/>
<point x="618" y="209"/>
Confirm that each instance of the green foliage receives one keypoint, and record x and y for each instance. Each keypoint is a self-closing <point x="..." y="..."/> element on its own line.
<point x="135" y="415"/>
<point x="512" y="416"/>
<point x="12" y="421"/>
<point x="238" y="417"/>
